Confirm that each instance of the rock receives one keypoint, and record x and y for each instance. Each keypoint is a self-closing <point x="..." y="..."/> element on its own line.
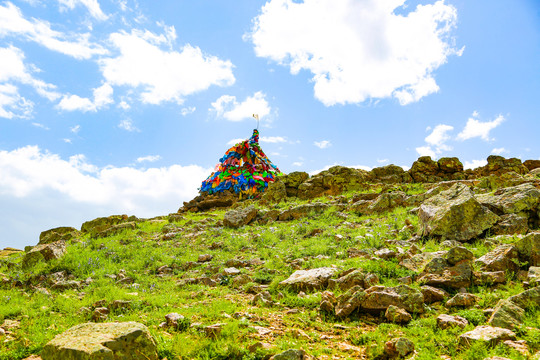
<point x="498" y="165"/>
<point x="425" y="170"/>
<point x="100" y="314"/>
<point x="124" y="340"/>
<point x="328" y="302"/>
<point x="391" y="174"/>
<point x="177" y="321"/>
<point x="438" y="274"/>
<point x="301" y="211"/>
<point x="241" y="279"/>
<point x="397" y="315"/>
<point x="526" y="299"/>
<point x="231" y="271"/>
<point x="98" y="225"/>
<point x="213" y="331"/>
<point x="506" y="315"/>
<point x="446" y="321"/>
<point x="398" y="347"/>
<point x="502" y="258"/>
<point x="205" y="258"/>
<point x="529" y="248"/>
<point x="454" y="214"/>
<point x="293" y="180"/>
<point x="418" y="262"/>
<point x="463" y="300"/>
<point x="45" y="252"/>
<point x="207" y="201"/>
<point x="333" y="181"/>
<point x="379" y="298"/>
<point x="520" y="346"/>
<point x="263" y="298"/>
<point x="489" y="278"/>
<point x="486" y="334"/>
<point x="60" y="233"/>
<point x="290" y="355"/>
<point x="240" y="217"/>
<point x="308" y="280"/>
<point x="349" y="301"/>
<point x="511" y="224"/>
<point x="116" y="229"/>
<point x="384" y="203"/>
<point x="521" y="199"/>
<point x="432" y="294"/>
<point x="531" y="164"/>
<point x="275" y="192"/>
<point x="533" y="275"/>
<point x="355" y="277"/>
<point x="457" y="254"/>
<point x="385" y="254"/>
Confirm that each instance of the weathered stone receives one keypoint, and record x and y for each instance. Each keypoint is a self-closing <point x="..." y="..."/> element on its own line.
<point x="349" y="301"/>
<point x="106" y="341"/>
<point x="498" y="165"/>
<point x="290" y="354"/>
<point x="241" y="279"/>
<point x="379" y="298"/>
<point x="205" y="258"/>
<point x="240" y="217"/>
<point x="419" y="261"/>
<point x="207" y="201"/>
<point x="450" y="165"/>
<point x="454" y="277"/>
<point x="454" y="214"/>
<point x="511" y="224"/>
<point x="262" y="298"/>
<point x="457" y="254"/>
<point x="462" y="300"/>
<point x="506" y="315"/>
<point x="213" y="331"/>
<point x="531" y="164"/>
<point x="116" y="229"/>
<point x="60" y="233"/>
<point x="328" y="301"/>
<point x="526" y="299"/>
<point x="301" y="211"/>
<point x="275" y="192"/>
<point x="293" y="180"/>
<point x="397" y="315"/>
<point x="502" y="258"/>
<point x="446" y="321"/>
<point x="486" y="334"/>
<point x="432" y="294"/>
<point x="45" y="252"/>
<point x="353" y="278"/>
<point x="533" y="275"/>
<point x="333" y="181"/>
<point x="313" y="279"/>
<point x="98" y="225"/>
<point x="398" y="347"/>
<point x="529" y="248"/>
<point x="520" y="199"/>
<point x="176" y="321"/>
<point x="424" y="170"/>
<point x="489" y="278"/>
<point x="391" y="174"/>
<point x="385" y="254"/>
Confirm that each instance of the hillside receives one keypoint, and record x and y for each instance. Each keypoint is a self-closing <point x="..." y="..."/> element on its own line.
<point x="436" y="262"/>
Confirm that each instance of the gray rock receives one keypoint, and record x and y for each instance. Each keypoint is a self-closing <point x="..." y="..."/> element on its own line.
<point x="349" y="301"/>
<point x="455" y="277"/>
<point x="398" y="347"/>
<point x="379" y="298"/>
<point x="529" y="248"/>
<point x="118" y="341"/>
<point x="506" y="315"/>
<point x="511" y="224"/>
<point x="462" y="300"/>
<point x="445" y="321"/>
<point x="290" y="354"/>
<point x="313" y="279"/>
<point x="457" y="254"/>
<point x="455" y="214"/>
<point x="502" y="258"/>
<point x="397" y="315"/>
<point x="519" y="199"/>
<point x="486" y="334"/>
<point x="240" y="217"/>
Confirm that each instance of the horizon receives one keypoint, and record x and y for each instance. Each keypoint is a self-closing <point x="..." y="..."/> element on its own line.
<point x="125" y="106"/>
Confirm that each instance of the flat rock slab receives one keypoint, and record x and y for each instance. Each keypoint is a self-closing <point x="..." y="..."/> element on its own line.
<point x="313" y="279"/>
<point x="105" y="341"/>
<point x="487" y="334"/>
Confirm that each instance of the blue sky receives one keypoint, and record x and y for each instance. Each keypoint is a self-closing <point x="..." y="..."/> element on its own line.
<point x="125" y="106"/>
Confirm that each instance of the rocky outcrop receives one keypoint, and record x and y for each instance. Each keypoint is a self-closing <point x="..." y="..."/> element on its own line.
<point x="275" y="192"/>
<point x="206" y="201"/>
<point x="308" y="280"/>
<point x="60" y="233"/>
<point x="119" y="341"/>
<point x="425" y="170"/>
<point x="333" y="181"/>
<point x="498" y="165"/>
<point x="301" y="211"/>
<point x="390" y="174"/>
<point x="292" y="181"/>
<point x="455" y="214"/>
<point x="522" y="200"/>
<point x="44" y="252"/>
<point x="489" y="335"/>
<point x="529" y="248"/>
<point x="439" y="272"/>
<point x="96" y="226"/>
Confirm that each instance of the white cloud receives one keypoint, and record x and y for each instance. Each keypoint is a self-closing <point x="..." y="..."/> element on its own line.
<point x="439" y="136"/>
<point x="102" y="98"/>
<point x="235" y="141"/>
<point x="473" y="164"/>
<point x="475" y="128"/>
<point x="426" y="151"/>
<point x="499" y="151"/>
<point x="188" y="110"/>
<point x="41" y="126"/>
<point x="272" y="139"/>
<point x="229" y="108"/>
<point x="298" y="163"/>
<point x="127" y="124"/>
<point x="29" y="177"/>
<point x="75" y="129"/>
<point x="382" y="161"/>
<point x="12" y="22"/>
<point x="163" y="75"/>
<point x="149" y="158"/>
<point x="92" y="6"/>
<point x="12" y="105"/>
<point x="323" y="144"/>
<point x="358" y="49"/>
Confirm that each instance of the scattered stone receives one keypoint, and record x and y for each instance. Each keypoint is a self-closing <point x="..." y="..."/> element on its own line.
<point x="439" y="273"/>
<point x="123" y="340"/>
<point x="487" y="334"/>
<point x="328" y="301"/>
<point x="506" y="315"/>
<point x="94" y="227"/>
<point x="519" y="345"/>
<point x="177" y="321"/>
<point x="60" y="233"/>
<point x="213" y="331"/>
<point x="116" y="229"/>
<point x="231" y="271"/>
<point x="529" y="248"/>
<point x="100" y="314"/>
<point x="511" y="224"/>
<point x="519" y="200"/>
<point x="445" y="321"/>
<point x="457" y="254"/>
<point x="259" y="346"/>
<point x="455" y="214"/>
<point x="398" y="347"/>
<point x="349" y="301"/>
<point x="502" y="258"/>
<point x="379" y="298"/>
<point x="489" y="278"/>
<point x="307" y="280"/>
<point x="264" y="298"/>
<point x="240" y="217"/>
<point x="432" y="294"/>
<point x="397" y="315"/>
<point x="205" y="258"/>
<point x="301" y="211"/>
<point x="290" y="355"/>
<point x="463" y="300"/>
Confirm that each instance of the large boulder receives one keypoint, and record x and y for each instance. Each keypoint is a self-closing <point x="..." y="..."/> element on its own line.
<point x="333" y="181"/>
<point x="522" y="199"/>
<point x="292" y="181"/>
<point x="529" y="248"/>
<point x="488" y="335"/>
<point x="379" y="298"/>
<point x="96" y="226"/>
<point x="239" y="217"/>
<point x="60" y="233"/>
<point x="307" y="280"/>
<point x="502" y="258"/>
<point x="506" y="315"/>
<point x="105" y="341"/>
<point x="301" y="211"/>
<point x="498" y="165"/>
<point x="275" y="192"/>
<point x="455" y="214"/>
<point x="511" y="224"/>
<point x="391" y="174"/>
<point x="44" y="252"/>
